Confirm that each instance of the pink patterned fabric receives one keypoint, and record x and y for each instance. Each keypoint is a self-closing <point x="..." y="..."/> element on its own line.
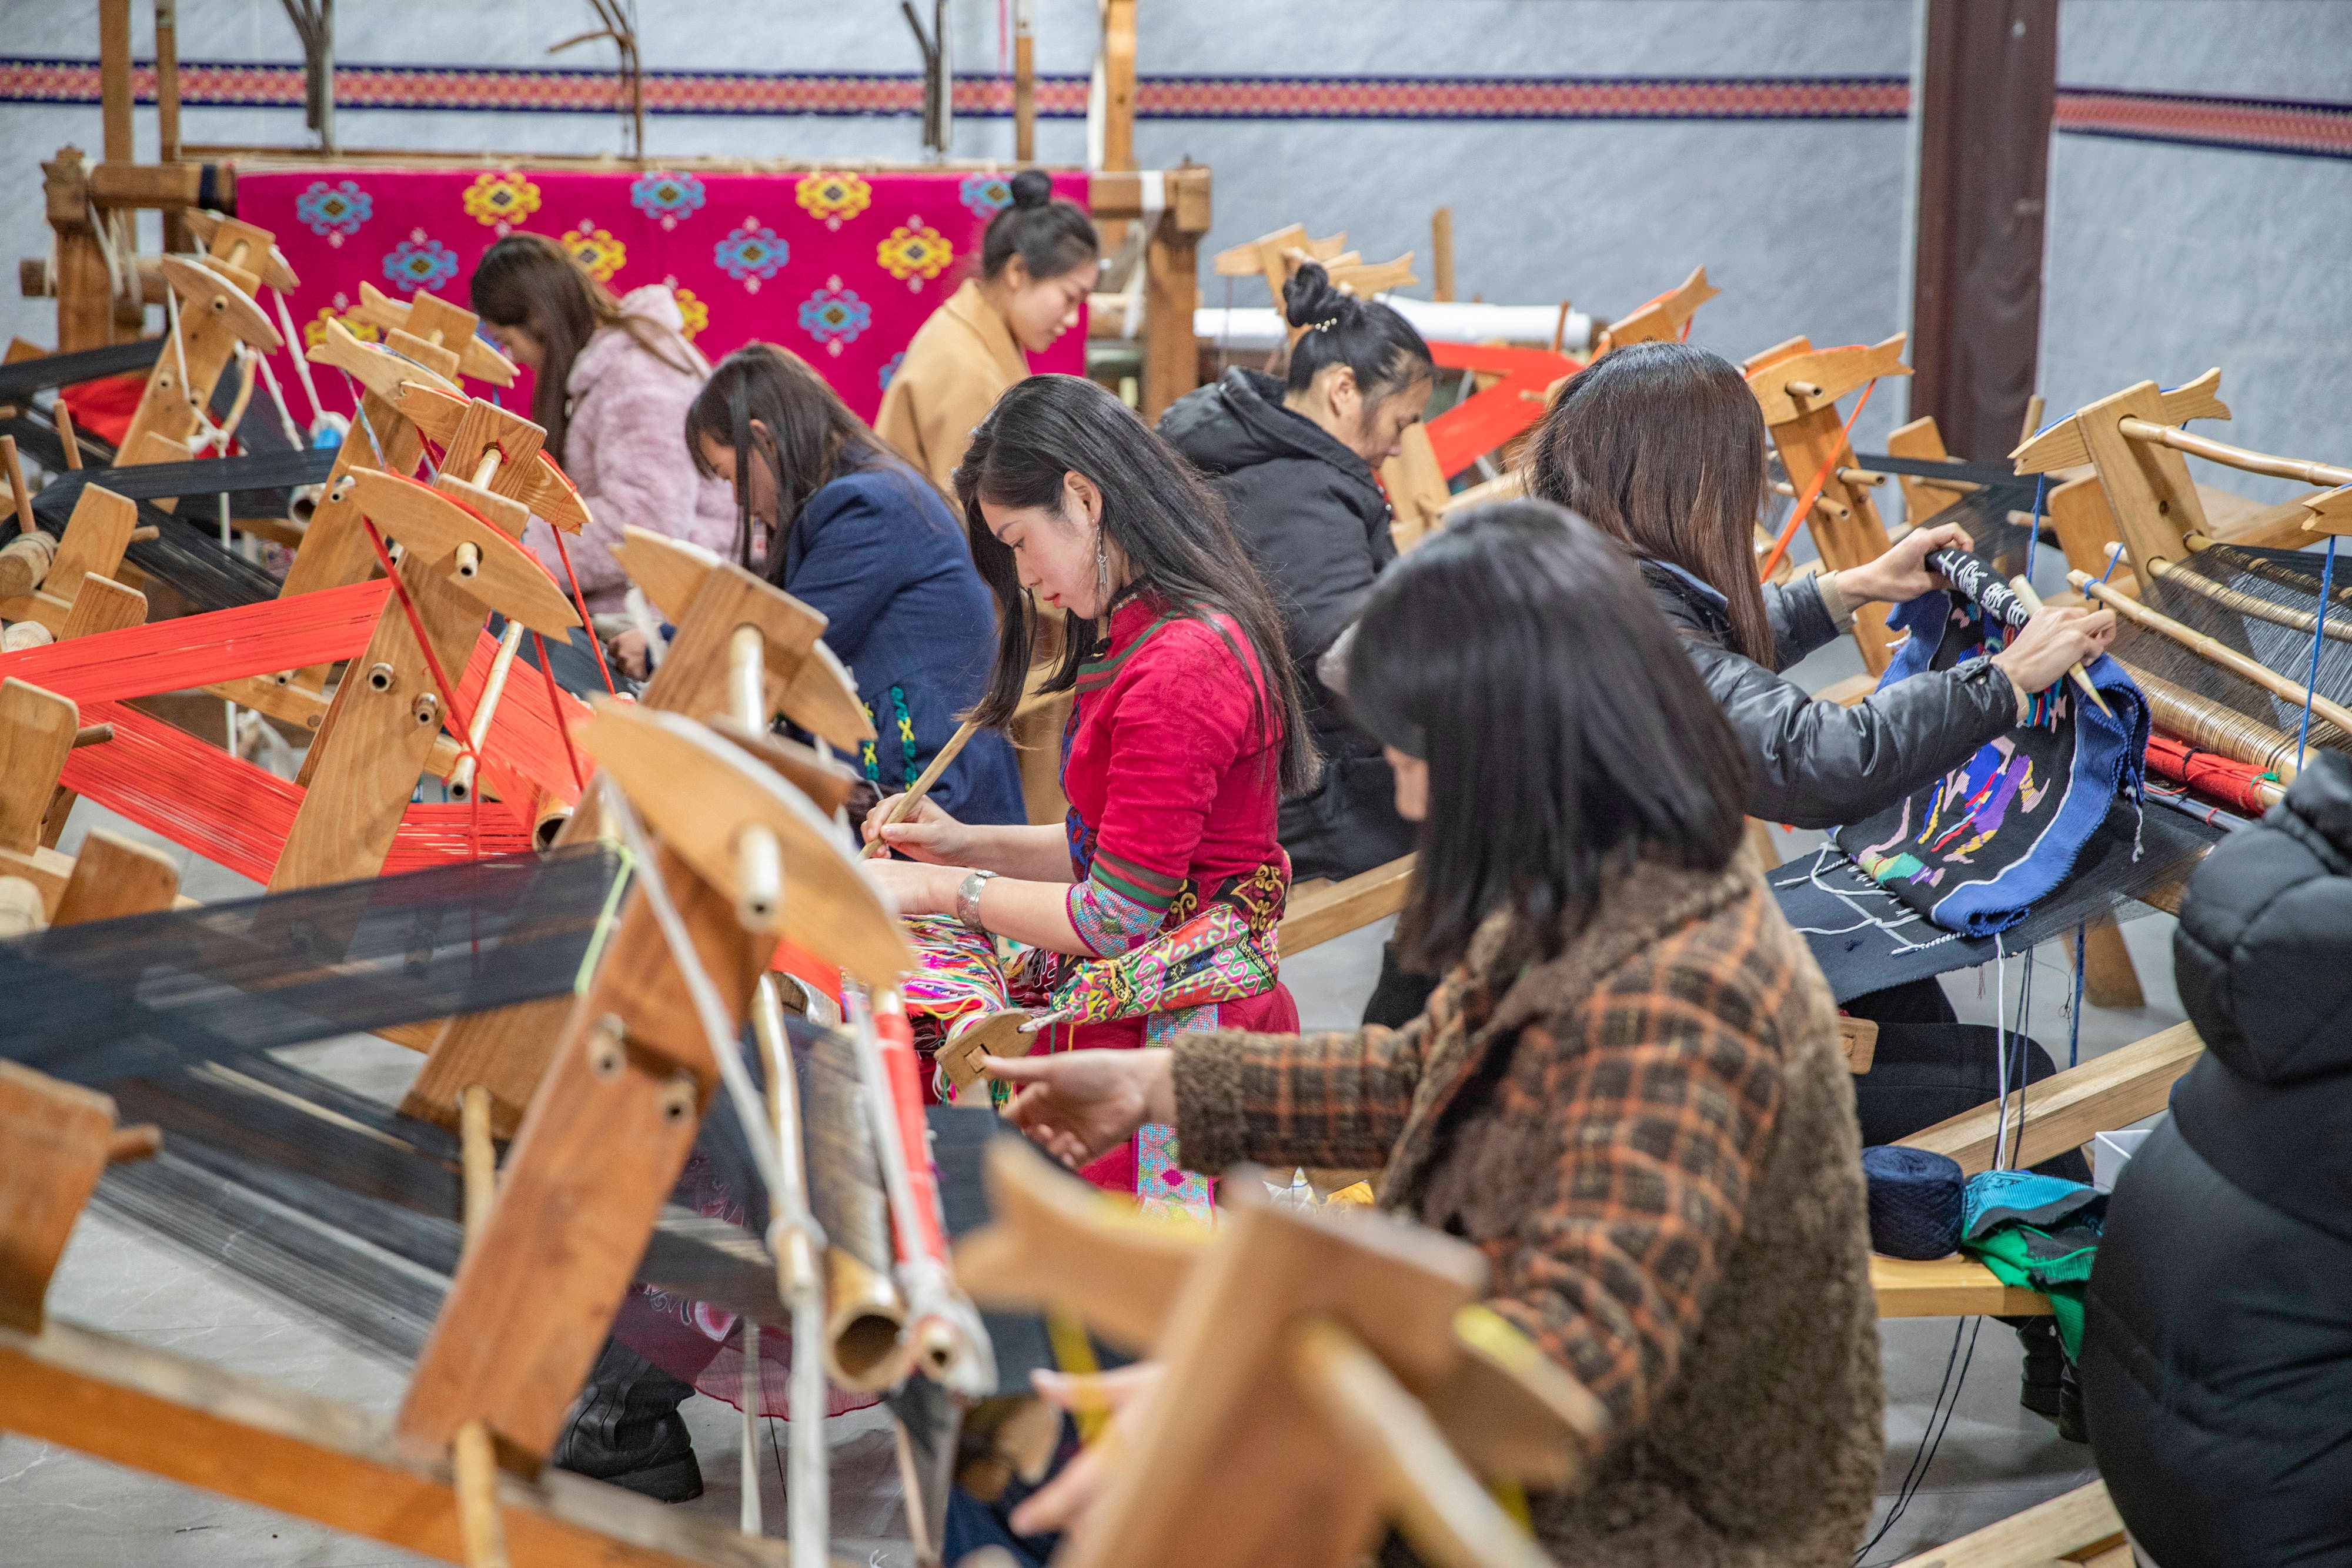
<point x="840" y="267"/>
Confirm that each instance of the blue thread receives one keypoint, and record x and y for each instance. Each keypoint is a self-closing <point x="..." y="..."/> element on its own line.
<point x="2033" y="526"/>
<point x="2075" y="1031"/>
<point x="2319" y="631"/>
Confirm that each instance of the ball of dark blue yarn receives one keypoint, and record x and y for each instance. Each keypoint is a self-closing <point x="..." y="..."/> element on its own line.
<point x="1914" y="1201"/>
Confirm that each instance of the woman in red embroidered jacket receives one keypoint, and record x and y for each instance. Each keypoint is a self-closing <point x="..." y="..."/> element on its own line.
<point x="1184" y="736"/>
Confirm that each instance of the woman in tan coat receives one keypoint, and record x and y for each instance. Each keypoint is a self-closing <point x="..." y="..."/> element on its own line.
<point x="1037" y="263"/>
<point x="1628" y="1091"/>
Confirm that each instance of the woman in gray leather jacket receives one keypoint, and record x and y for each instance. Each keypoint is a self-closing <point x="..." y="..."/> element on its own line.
<point x="1662" y="446"/>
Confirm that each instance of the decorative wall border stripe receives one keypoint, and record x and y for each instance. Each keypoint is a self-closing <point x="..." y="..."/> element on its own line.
<point x="2249" y="124"/>
<point x="988" y="96"/>
<point x="2262" y="125"/>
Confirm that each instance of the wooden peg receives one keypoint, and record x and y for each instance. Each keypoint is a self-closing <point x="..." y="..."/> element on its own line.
<point x="132" y="1145"/>
<point x="480" y="1158"/>
<point x="67" y="434"/>
<point x="21" y="496"/>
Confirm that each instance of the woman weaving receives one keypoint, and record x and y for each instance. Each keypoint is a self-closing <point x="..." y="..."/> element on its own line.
<point x="1184" y="736"/>
<point x="1628" y="1091"/>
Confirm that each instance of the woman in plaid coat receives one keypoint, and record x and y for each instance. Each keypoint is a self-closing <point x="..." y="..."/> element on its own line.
<point x="1628" y="1091"/>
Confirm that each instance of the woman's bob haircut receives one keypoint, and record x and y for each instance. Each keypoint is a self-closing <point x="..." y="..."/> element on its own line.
<point x="1566" y="731"/>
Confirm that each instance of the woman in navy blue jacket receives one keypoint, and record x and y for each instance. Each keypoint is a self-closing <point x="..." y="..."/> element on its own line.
<point x="842" y="524"/>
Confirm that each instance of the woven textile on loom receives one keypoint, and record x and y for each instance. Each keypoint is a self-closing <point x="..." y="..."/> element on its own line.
<point x="1978" y="847"/>
<point x="840" y="267"/>
<point x="236" y="814"/>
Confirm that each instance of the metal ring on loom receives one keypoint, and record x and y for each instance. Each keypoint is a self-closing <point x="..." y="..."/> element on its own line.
<point x="2215" y="728"/>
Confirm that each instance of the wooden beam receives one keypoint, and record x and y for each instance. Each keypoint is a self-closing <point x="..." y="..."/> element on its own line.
<point x="1987" y="88"/>
<point x="2080" y="1526"/>
<point x="1954" y="1287"/>
<point x="2062" y="1110"/>
<point x="113" y="877"/>
<point x="243" y="1438"/>
<point x="1172" y="363"/>
<point x="1344" y="907"/>
<point x="114" y="79"/>
<point x="54" y="1138"/>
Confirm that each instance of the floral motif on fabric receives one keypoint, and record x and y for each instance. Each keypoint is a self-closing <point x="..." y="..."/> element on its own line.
<point x="986" y="194"/>
<point x="751" y="253"/>
<point x="891" y="369"/>
<point x="914" y="253"/>
<point x="1108" y="922"/>
<point x="314" y="332"/>
<point x="834" y="316"/>
<point x="832" y="199"/>
<point x="694" y="314"/>
<point x="500" y="201"/>
<point x="1164" y="1189"/>
<point x="334" y="212"/>
<point x="667" y="197"/>
<point x="418" y="262"/>
<point x="597" y="250"/>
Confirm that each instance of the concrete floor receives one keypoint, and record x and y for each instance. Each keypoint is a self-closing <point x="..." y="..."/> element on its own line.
<point x="59" y="1510"/>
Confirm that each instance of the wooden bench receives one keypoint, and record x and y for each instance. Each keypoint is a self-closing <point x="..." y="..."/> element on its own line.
<point x="2079" y="1528"/>
<point x="1321" y="910"/>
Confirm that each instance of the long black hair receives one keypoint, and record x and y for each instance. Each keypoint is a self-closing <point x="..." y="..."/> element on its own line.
<point x="810" y="439"/>
<point x="1169" y="525"/>
<point x="1050" y="235"/>
<point x="528" y="280"/>
<point x="1662" y="446"/>
<point x="1565" y="729"/>
<point x="1368" y="337"/>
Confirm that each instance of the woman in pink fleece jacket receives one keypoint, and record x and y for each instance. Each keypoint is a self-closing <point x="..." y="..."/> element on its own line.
<point x="615" y="378"/>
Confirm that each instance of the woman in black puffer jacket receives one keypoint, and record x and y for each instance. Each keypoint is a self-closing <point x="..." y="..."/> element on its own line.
<point x="1295" y="462"/>
<point x="2217" y="1348"/>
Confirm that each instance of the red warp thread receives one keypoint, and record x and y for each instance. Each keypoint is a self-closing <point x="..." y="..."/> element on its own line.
<point x="587" y="622"/>
<point x="460" y="721"/>
<point x="555" y="701"/>
<point x="2235" y="784"/>
<point x="1813" y="491"/>
<point x="260" y="639"/>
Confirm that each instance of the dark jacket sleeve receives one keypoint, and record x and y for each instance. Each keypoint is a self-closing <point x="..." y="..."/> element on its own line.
<point x="1817" y="765"/>
<point x="1318" y="552"/>
<point x="1800" y="620"/>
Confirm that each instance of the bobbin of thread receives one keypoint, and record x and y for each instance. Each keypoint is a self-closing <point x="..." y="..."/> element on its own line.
<point x="1915" y="1198"/>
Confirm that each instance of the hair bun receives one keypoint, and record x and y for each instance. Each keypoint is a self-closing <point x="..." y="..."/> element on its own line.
<point x="1031" y="188"/>
<point x="1310" y="300"/>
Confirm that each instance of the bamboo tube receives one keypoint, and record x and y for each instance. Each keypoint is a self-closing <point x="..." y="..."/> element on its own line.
<point x="746" y="676"/>
<point x="92" y="735"/>
<point x="2211" y="651"/>
<point x="913" y="797"/>
<point x="461" y="778"/>
<point x="865" y="1316"/>
<point x="2239" y="457"/>
<point x="476" y="1482"/>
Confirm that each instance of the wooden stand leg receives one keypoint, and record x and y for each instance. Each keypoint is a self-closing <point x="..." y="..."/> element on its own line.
<point x="2108" y="978"/>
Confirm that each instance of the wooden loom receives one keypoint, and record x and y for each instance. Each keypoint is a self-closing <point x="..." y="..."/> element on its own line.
<point x="600" y="1147"/>
<point x="1342" y="1353"/>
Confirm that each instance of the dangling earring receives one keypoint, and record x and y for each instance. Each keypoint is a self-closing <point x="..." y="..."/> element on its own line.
<point x="1102" y="572"/>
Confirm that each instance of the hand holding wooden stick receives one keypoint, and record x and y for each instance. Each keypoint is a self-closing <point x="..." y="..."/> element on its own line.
<point x="2033" y="603"/>
<point x="921" y="787"/>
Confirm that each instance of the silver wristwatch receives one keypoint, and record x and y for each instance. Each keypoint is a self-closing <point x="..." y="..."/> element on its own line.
<point x="968" y="899"/>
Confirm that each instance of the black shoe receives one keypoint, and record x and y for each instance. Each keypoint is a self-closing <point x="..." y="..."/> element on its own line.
<point x="2072" y="1426"/>
<point x="626" y="1429"/>
<point x="2045" y="1366"/>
